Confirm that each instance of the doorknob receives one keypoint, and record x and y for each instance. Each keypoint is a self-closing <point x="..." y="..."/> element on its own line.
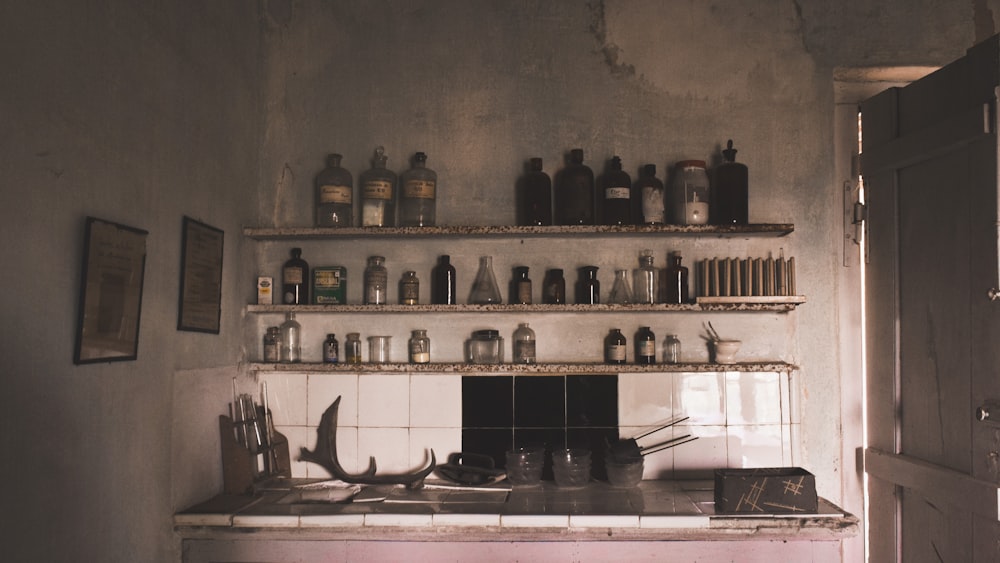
<point x="989" y="412"/>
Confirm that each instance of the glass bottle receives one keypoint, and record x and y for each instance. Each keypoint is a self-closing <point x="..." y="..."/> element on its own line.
<point x="588" y="289"/>
<point x="574" y="193"/>
<point x="645" y="346"/>
<point x="295" y="279"/>
<point x="334" y="195"/>
<point x="484" y="289"/>
<point x="672" y="350"/>
<point x="648" y="198"/>
<point x="621" y="293"/>
<point x="675" y="281"/>
<point x="615" y="347"/>
<point x="645" y="279"/>
<point x="443" y="282"/>
<point x="291" y="340"/>
<point x="418" y="194"/>
<point x="689" y="194"/>
<point x="409" y="288"/>
<point x="554" y="287"/>
<point x="352" y="348"/>
<point x="378" y="193"/>
<point x="729" y="190"/>
<point x="521" y="286"/>
<point x="535" y="196"/>
<point x="376" y="281"/>
<point x="616" y="195"/>
<point x="272" y="344"/>
<point x="420" y="347"/>
<point x="331" y="349"/>
<point x="524" y="344"/>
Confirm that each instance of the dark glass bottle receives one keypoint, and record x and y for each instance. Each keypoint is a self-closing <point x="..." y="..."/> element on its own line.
<point x="588" y="289"/>
<point x="615" y="347"/>
<point x="554" y="287"/>
<point x="295" y="279"/>
<point x="648" y="198"/>
<point x="334" y="195"/>
<point x="331" y="349"/>
<point x="535" y="196"/>
<point x="418" y="193"/>
<point x="729" y="201"/>
<point x="616" y="195"/>
<point x="574" y="192"/>
<point x="378" y="193"/>
<point x="675" y="281"/>
<point x="520" y="287"/>
<point x="443" y="282"/>
<point x="645" y="346"/>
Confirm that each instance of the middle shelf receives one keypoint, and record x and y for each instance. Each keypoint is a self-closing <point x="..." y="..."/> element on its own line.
<point x="522" y="369"/>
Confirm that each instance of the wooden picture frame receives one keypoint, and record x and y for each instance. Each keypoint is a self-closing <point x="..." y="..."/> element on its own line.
<point x="200" y="307"/>
<point x="114" y="264"/>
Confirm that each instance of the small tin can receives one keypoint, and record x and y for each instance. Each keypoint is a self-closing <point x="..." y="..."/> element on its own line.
<point x="265" y="290"/>
<point x="329" y="285"/>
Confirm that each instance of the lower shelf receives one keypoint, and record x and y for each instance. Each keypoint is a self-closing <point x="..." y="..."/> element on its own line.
<point x="525" y="369"/>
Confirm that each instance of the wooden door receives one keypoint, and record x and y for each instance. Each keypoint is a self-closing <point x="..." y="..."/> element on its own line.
<point x="929" y="162"/>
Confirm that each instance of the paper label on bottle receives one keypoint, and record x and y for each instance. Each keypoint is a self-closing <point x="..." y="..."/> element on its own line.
<point x="617" y="193"/>
<point x="420" y="189"/>
<point x="291" y="275"/>
<point x="616" y="353"/>
<point x="377" y="189"/>
<point x="652" y="205"/>
<point x="524" y="292"/>
<point x="335" y="194"/>
<point x="647" y="348"/>
<point x="524" y="351"/>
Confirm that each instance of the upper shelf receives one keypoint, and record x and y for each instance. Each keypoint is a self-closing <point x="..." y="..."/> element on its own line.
<point x="772" y="304"/>
<point x="288" y="233"/>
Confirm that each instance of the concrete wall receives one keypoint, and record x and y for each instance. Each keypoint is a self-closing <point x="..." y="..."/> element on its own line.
<point x="144" y="112"/>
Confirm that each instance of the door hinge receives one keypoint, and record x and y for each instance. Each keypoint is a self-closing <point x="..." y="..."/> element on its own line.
<point x="860" y="216"/>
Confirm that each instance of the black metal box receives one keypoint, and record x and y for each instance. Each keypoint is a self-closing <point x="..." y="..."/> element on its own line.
<point x="771" y="490"/>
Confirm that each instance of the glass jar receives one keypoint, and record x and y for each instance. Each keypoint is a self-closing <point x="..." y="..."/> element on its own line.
<point x="648" y="195"/>
<point x="485" y="347"/>
<point x="615" y="347"/>
<point x="272" y="344"/>
<point x="420" y="347"/>
<point x="334" y="195"/>
<point x="418" y="194"/>
<point x="331" y="349"/>
<point x="485" y="289"/>
<point x="378" y="193"/>
<point x="645" y="279"/>
<point x="524" y="344"/>
<point x="291" y="340"/>
<point x="616" y="195"/>
<point x="379" y="349"/>
<point x="689" y="194"/>
<point x="376" y="281"/>
<point x="588" y="289"/>
<point x="672" y="350"/>
<point x="645" y="346"/>
<point x="621" y="292"/>
<point x="521" y="286"/>
<point x="554" y="287"/>
<point x="409" y="288"/>
<point x="352" y="348"/>
<point x="574" y="192"/>
<point x="295" y="279"/>
<point x="536" y="196"/>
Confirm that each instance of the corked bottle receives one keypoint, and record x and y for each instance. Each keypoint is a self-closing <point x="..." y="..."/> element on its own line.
<point x="729" y="187"/>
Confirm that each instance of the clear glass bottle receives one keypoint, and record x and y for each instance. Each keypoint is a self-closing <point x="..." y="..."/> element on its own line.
<point x="334" y="195"/>
<point x="524" y="344"/>
<point x="554" y="287"/>
<point x="485" y="289"/>
<point x="376" y="281"/>
<point x="409" y="288"/>
<point x="331" y="349"/>
<point x="420" y="347"/>
<point x="616" y="195"/>
<point x="378" y="193"/>
<point x="272" y="345"/>
<point x="672" y="350"/>
<point x="645" y="279"/>
<point x="521" y="286"/>
<point x="675" y="281"/>
<point x="443" y="282"/>
<point x="588" y="289"/>
<point x="418" y="194"/>
<point x="535" y="196"/>
<point x="689" y="199"/>
<point x="615" y="347"/>
<point x="574" y="192"/>
<point x="295" y="279"/>
<point x="621" y="293"/>
<point x="291" y="340"/>
<point x="648" y="197"/>
<point x="645" y="346"/>
<point x="729" y="190"/>
<point x="352" y="348"/>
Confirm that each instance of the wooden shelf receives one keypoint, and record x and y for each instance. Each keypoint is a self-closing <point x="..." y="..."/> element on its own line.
<point x="523" y="369"/>
<point x="769" y="304"/>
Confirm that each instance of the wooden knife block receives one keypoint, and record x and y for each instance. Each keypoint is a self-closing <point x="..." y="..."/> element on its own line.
<point x="239" y="464"/>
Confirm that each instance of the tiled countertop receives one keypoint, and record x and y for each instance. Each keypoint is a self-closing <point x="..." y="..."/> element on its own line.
<point x="655" y="510"/>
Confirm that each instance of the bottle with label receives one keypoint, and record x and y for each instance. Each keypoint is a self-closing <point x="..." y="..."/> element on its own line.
<point x="689" y="196"/>
<point x="621" y="292"/>
<point x="554" y="287"/>
<point x="378" y="193"/>
<point x="291" y="340"/>
<point x="521" y="286"/>
<point x="675" y="281"/>
<point x="295" y="279"/>
<point x="648" y="198"/>
<point x="272" y="345"/>
<point x="352" y="348"/>
<point x="524" y="344"/>
<point x="418" y="193"/>
<point x="672" y="350"/>
<point x="535" y="196"/>
<point x="588" y="289"/>
<point x="443" y="282"/>
<point x="574" y="192"/>
<point x="485" y="290"/>
<point x="420" y="347"/>
<point x="615" y="347"/>
<point x="729" y="190"/>
<point x="645" y="279"/>
<point x="616" y="195"/>
<point x="409" y="288"/>
<point x="376" y="281"/>
<point x="334" y="195"/>
<point x="645" y="346"/>
<point x="331" y="349"/>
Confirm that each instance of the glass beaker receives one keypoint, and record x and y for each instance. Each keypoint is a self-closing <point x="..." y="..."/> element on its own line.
<point x="378" y="349"/>
<point x="485" y="289"/>
<point x="621" y="293"/>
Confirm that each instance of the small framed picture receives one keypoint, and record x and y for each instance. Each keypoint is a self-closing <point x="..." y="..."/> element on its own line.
<point x="201" y="277"/>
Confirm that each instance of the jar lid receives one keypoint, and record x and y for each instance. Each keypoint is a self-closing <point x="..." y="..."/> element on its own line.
<point x="691" y="164"/>
<point x="353" y="334"/>
<point x="486" y="334"/>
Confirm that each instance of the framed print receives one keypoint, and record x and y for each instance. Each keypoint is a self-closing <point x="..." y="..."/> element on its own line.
<point x="114" y="263"/>
<point x="201" y="277"/>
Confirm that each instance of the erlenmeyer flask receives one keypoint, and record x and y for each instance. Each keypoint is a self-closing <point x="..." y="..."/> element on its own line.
<point x="485" y="289"/>
<point x="621" y="293"/>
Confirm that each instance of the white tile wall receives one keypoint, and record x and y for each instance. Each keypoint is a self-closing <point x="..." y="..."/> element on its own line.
<point x="384" y="400"/>
<point x="435" y="401"/>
